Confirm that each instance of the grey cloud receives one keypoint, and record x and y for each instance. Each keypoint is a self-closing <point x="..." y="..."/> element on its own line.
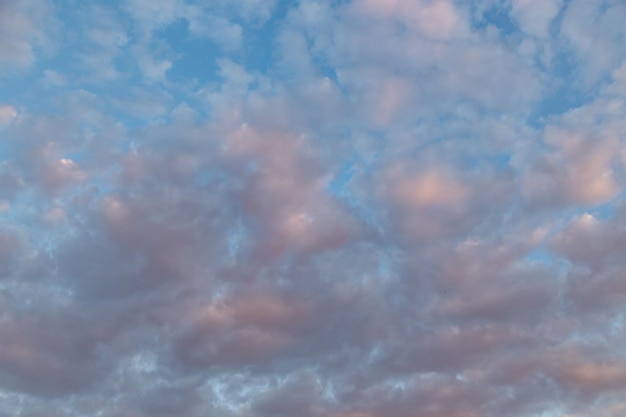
<point x="360" y="231"/>
<point x="595" y="58"/>
<point x="41" y="357"/>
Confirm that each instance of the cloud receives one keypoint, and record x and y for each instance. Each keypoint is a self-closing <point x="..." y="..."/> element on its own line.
<point x="438" y="19"/>
<point x="7" y="114"/>
<point x="22" y="35"/>
<point x="15" y="48"/>
<point x="595" y="58"/>
<point x="346" y="209"/>
<point x="535" y="16"/>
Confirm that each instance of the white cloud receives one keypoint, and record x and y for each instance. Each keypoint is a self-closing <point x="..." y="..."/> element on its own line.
<point x="7" y="114"/>
<point x="596" y="33"/>
<point x="16" y="31"/>
<point x="535" y="16"/>
<point x="22" y="33"/>
<point x="53" y="78"/>
<point x="152" y="68"/>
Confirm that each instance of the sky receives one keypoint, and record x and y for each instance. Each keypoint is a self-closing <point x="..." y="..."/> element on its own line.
<point x="313" y="208"/>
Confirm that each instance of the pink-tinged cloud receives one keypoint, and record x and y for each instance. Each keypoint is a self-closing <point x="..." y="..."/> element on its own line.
<point x="435" y="19"/>
<point x="535" y="16"/>
<point x="317" y="208"/>
<point x="7" y="114"/>
<point x="431" y="189"/>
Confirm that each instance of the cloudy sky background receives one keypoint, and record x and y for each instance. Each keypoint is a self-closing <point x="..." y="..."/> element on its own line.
<point x="313" y="208"/>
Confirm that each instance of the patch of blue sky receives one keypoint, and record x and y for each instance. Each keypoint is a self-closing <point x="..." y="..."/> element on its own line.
<point x="540" y="256"/>
<point x="196" y="57"/>
<point x="339" y="188"/>
<point x="603" y="211"/>
<point x="25" y="209"/>
<point x="339" y="185"/>
<point x="5" y="153"/>
<point x="565" y="92"/>
<point x="205" y="178"/>
<point x="497" y="16"/>
<point x="608" y="210"/>
<point x="617" y="324"/>
<point x="500" y="161"/>
<point x="259" y="46"/>
<point x="26" y="95"/>
<point x="327" y="70"/>
<point x="555" y="412"/>
<point x="12" y="85"/>
<point x="21" y="90"/>
<point x="236" y="238"/>
<point x="385" y="268"/>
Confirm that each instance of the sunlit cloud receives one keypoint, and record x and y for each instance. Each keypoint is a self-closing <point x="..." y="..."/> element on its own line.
<point x="315" y="208"/>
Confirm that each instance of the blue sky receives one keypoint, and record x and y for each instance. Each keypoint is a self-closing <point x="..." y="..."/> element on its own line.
<point x="312" y="208"/>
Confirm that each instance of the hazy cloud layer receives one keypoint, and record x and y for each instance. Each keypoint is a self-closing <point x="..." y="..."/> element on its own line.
<point x="313" y="208"/>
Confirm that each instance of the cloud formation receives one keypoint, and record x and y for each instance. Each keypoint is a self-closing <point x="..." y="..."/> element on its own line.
<point x="313" y="208"/>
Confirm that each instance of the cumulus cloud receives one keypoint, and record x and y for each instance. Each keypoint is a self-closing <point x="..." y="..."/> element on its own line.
<point x="595" y="58"/>
<point x="23" y="35"/>
<point x="535" y="16"/>
<point x="7" y="114"/>
<point x="335" y="209"/>
<point x="17" y="26"/>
